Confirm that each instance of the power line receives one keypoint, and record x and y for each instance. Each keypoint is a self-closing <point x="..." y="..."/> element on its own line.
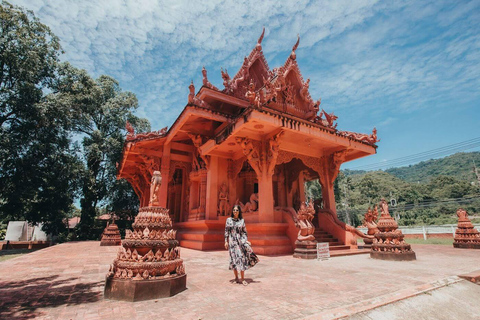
<point x="431" y="203"/>
<point x="461" y="146"/>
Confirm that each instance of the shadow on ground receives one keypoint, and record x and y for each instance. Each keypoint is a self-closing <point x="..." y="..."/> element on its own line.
<point x="21" y="299"/>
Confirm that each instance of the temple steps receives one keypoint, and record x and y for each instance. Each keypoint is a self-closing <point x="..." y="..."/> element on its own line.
<point x="266" y="238"/>
<point x="348" y="252"/>
<point x="333" y="243"/>
<point x="201" y="235"/>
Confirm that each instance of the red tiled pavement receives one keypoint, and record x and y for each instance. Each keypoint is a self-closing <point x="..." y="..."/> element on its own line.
<point x="66" y="282"/>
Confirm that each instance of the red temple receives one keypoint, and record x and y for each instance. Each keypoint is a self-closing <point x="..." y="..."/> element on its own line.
<point x="255" y="142"/>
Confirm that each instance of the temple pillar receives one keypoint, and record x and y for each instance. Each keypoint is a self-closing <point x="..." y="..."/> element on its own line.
<point x="203" y="193"/>
<point x="329" y="169"/>
<point x="265" y="197"/>
<point x="165" y="170"/>
<point x="281" y="190"/>
<point x="262" y="157"/>
<point x="232" y="185"/>
<point x="301" y="186"/>
<point x="328" y="197"/>
<point x="212" y="189"/>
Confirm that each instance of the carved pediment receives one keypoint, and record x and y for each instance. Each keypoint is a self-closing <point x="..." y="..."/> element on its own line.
<point x="254" y="69"/>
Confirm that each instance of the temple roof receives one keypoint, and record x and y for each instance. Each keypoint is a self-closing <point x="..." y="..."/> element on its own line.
<point x="279" y="97"/>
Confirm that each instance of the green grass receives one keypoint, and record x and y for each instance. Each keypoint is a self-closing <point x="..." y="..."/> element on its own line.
<point x="446" y="242"/>
<point x="10" y="254"/>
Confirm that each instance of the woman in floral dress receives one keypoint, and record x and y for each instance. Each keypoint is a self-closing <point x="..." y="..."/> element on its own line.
<point x="241" y="253"/>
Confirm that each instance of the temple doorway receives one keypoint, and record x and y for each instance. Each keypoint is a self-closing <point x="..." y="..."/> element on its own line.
<point x="176" y="195"/>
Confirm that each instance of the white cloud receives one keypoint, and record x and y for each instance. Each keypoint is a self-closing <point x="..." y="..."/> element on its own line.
<point x="364" y="56"/>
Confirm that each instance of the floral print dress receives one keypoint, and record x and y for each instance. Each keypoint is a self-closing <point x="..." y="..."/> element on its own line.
<point x="241" y="253"/>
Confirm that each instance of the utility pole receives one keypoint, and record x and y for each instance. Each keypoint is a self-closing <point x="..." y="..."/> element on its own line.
<point x="475" y="170"/>
<point x="393" y="204"/>
<point x="345" y="203"/>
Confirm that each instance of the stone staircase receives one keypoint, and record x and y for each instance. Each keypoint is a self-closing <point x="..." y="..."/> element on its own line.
<point x="333" y="243"/>
<point x="336" y="247"/>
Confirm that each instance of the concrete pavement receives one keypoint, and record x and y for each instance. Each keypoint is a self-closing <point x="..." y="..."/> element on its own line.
<point x="66" y="282"/>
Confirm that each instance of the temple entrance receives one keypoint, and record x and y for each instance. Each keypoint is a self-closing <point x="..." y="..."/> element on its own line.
<point x="247" y="190"/>
<point x="289" y="183"/>
<point x="176" y="195"/>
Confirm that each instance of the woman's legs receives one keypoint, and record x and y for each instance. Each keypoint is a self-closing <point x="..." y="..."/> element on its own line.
<point x="243" y="281"/>
<point x="242" y="275"/>
<point x="236" y="274"/>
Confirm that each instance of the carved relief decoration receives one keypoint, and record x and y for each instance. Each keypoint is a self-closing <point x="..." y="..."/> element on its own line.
<point x="311" y="162"/>
<point x="199" y="160"/>
<point x="238" y="86"/>
<point x="151" y="163"/>
<point x="175" y="164"/>
<point x="252" y="151"/>
<point x="131" y="136"/>
<point x="261" y="157"/>
<point x="330" y="167"/>
<point x="370" y="139"/>
<point x="236" y="167"/>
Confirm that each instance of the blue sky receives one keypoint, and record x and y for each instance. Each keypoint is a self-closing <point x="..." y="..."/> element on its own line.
<point x="409" y="68"/>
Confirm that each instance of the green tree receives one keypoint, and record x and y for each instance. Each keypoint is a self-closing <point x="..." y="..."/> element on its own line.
<point x="37" y="166"/>
<point x="100" y="110"/>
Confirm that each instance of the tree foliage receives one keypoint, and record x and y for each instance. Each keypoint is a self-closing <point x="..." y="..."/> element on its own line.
<point x="99" y="110"/>
<point x="431" y="192"/>
<point x="45" y="105"/>
<point x="37" y="164"/>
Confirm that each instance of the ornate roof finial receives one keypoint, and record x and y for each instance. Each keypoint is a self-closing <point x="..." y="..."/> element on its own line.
<point x="207" y="83"/>
<point x="130" y="129"/>
<point x="191" y="95"/>
<point x="259" y="42"/>
<point x="293" y="56"/>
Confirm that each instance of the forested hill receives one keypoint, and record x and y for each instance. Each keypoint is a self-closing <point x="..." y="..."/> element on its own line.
<point x="429" y="192"/>
<point x="459" y="165"/>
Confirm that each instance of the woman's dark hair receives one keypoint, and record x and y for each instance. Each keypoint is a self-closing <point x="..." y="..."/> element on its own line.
<point x="240" y="216"/>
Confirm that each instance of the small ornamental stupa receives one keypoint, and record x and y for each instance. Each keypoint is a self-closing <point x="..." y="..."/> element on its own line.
<point x="111" y="235"/>
<point x="148" y="265"/>
<point x="466" y="236"/>
<point x="388" y="243"/>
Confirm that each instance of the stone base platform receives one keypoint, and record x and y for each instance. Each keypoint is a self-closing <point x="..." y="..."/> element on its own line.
<point x="392" y="256"/>
<point x="111" y="243"/>
<point x="6" y="245"/>
<point x="133" y="290"/>
<point x="305" y="250"/>
<point x="472" y="276"/>
<point x="466" y="245"/>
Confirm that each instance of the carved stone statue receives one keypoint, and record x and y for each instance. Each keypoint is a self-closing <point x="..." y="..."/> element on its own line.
<point x="249" y="206"/>
<point x="305" y="216"/>
<point x="250" y="95"/>
<point x="223" y="205"/>
<point x="155" y="188"/>
<point x="384" y="208"/>
<point x="370" y="222"/>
